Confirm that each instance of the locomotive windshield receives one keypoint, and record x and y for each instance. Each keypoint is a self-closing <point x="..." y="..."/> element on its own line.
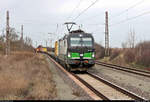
<point x="75" y="41"/>
<point x="87" y="41"/>
<point x="78" y="41"/>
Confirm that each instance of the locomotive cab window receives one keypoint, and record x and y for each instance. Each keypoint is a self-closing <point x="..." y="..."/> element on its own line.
<point x="75" y="41"/>
<point x="81" y="41"/>
<point x="87" y="41"/>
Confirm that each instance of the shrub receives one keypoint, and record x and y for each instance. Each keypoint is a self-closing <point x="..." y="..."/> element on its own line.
<point x="100" y="52"/>
<point x="114" y="53"/>
<point x="143" y="53"/>
<point x="144" y="59"/>
<point x="129" y="56"/>
<point x="1" y="48"/>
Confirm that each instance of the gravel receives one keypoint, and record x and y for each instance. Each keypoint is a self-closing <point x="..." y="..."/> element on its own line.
<point x="105" y="89"/>
<point x="67" y="89"/>
<point x="134" y="83"/>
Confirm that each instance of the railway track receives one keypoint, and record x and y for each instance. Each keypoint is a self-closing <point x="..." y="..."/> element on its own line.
<point x="104" y="89"/>
<point x="126" y="69"/>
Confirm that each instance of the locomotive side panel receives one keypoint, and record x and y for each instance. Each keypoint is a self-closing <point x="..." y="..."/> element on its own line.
<point x="62" y="49"/>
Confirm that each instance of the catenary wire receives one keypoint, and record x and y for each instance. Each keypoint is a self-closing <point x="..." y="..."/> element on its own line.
<point x="85" y="10"/>
<point x="132" y="6"/>
<point x="77" y="6"/>
<point x="131" y="18"/>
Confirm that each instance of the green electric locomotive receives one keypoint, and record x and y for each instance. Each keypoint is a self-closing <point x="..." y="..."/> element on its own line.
<point x="76" y="51"/>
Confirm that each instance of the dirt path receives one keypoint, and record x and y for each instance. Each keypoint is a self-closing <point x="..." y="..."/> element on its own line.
<point x="64" y="90"/>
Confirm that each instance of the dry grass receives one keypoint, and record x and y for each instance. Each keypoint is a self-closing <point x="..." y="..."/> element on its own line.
<point x="25" y="76"/>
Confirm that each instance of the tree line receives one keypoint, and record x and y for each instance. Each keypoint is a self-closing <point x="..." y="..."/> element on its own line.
<point x="16" y="44"/>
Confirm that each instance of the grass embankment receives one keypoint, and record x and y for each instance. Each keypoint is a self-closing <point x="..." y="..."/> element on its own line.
<point x="25" y="75"/>
<point x="119" y="60"/>
<point x="137" y="56"/>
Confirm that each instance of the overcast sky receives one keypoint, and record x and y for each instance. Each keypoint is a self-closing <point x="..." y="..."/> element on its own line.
<point x="41" y="17"/>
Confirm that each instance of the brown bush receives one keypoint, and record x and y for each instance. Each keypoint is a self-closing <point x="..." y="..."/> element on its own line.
<point x="100" y="52"/>
<point x="143" y="45"/>
<point x="129" y="56"/>
<point x="143" y="53"/>
<point x="2" y="47"/>
<point x="114" y="53"/>
<point x="144" y="59"/>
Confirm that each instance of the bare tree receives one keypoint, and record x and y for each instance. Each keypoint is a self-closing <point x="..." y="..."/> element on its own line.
<point x="28" y="41"/>
<point x="1" y="39"/>
<point x="124" y="45"/>
<point x="131" y="38"/>
<point x="13" y="35"/>
<point x="1" y="43"/>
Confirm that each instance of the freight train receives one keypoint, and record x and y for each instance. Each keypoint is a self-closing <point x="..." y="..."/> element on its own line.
<point x="41" y="49"/>
<point x="75" y="51"/>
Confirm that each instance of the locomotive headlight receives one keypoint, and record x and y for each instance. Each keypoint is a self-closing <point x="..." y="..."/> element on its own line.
<point x="69" y="55"/>
<point x="81" y="54"/>
<point x="93" y="55"/>
<point x="80" y="35"/>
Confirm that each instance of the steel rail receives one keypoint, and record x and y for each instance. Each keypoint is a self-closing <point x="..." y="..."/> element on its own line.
<point x="83" y="82"/>
<point x="122" y="90"/>
<point x="126" y="69"/>
<point x="118" y="88"/>
<point x="91" y="88"/>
